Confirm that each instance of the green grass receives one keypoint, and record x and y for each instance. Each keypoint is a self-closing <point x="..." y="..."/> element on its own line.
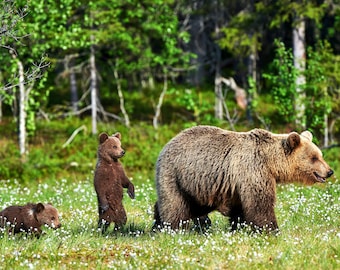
<point x="309" y="219"/>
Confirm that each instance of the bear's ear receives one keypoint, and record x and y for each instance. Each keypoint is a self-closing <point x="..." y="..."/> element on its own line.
<point x="293" y="141"/>
<point x="118" y="135"/>
<point x="39" y="207"/>
<point x="307" y="134"/>
<point x="103" y="137"/>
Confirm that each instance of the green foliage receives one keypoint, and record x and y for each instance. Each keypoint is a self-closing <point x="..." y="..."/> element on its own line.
<point x="193" y="101"/>
<point x="320" y="88"/>
<point x="281" y="80"/>
<point x="320" y="84"/>
<point x="49" y="159"/>
<point x="285" y="10"/>
<point x="262" y="112"/>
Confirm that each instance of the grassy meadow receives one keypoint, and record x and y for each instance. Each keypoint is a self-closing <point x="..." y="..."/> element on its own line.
<point x="309" y="217"/>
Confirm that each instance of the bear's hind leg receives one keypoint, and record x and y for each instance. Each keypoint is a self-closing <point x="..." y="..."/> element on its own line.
<point x="236" y="217"/>
<point x="119" y="216"/>
<point x="174" y="212"/>
<point x="103" y="225"/>
<point x="202" y="223"/>
<point x="157" y="219"/>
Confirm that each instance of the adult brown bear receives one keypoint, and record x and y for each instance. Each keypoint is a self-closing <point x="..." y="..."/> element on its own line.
<point x="206" y="168"/>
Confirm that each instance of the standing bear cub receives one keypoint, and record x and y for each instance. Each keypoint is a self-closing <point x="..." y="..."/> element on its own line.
<point x="29" y="218"/>
<point x="109" y="181"/>
<point x="206" y="168"/>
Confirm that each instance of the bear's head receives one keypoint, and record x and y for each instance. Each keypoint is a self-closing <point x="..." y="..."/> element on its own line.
<point x="110" y="147"/>
<point x="306" y="159"/>
<point x="46" y="214"/>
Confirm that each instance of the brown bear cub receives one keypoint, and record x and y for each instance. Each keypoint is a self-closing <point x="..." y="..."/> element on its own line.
<point x="29" y="218"/>
<point x="206" y="168"/>
<point x="109" y="181"/>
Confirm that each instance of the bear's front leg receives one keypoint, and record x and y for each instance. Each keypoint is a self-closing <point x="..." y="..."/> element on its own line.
<point x="126" y="183"/>
<point x="261" y="216"/>
<point x="257" y="199"/>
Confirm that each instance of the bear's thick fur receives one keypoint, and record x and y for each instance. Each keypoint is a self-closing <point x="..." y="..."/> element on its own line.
<point x="109" y="181"/>
<point x="29" y="218"/>
<point x="206" y="168"/>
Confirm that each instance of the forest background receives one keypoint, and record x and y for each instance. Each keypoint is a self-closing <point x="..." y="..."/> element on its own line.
<point x="70" y="69"/>
<point x="156" y="67"/>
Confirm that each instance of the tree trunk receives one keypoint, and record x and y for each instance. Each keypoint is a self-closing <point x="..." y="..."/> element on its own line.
<point x="74" y="92"/>
<point x="160" y="102"/>
<point x="68" y="66"/>
<point x="93" y="90"/>
<point x="219" y="100"/>
<point x="326" y="131"/>
<point x="252" y="73"/>
<point x="22" y="111"/>
<point x="121" y="99"/>
<point x="1" y="110"/>
<point x="299" y="51"/>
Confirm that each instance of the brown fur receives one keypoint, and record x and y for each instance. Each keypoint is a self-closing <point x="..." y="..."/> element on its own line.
<point x="29" y="218"/>
<point x="109" y="181"/>
<point x="207" y="168"/>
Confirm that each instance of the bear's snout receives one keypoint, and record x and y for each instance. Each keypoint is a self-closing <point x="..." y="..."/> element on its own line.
<point x="330" y="173"/>
<point x="56" y="226"/>
<point x="122" y="153"/>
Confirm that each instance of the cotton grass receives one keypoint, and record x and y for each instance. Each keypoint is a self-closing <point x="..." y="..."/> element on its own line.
<point x="308" y="218"/>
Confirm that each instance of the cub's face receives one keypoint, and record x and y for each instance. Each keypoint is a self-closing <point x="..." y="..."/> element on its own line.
<point x="110" y="146"/>
<point x="310" y="165"/>
<point x="46" y="214"/>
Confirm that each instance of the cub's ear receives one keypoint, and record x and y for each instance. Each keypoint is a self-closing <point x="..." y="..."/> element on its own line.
<point x="307" y="134"/>
<point x="118" y="135"/>
<point x="103" y="137"/>
<point x="39" y="207"/>
<point x="292" y="141"/>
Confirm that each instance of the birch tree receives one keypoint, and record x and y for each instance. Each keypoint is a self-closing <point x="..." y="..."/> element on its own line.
<point x="299" y="52"/>
<point x="26" y="78"/>
<point x="93" y="90"/>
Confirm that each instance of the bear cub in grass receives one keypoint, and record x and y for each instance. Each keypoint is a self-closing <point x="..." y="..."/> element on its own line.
<point x="206" y="168"/>
<point x="29" y="218"/>
<point x="109" y="181"/>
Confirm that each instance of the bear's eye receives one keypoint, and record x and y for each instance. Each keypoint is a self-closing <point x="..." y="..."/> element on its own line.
<point x="314" y="159"/>
<point x="52" y="218"/>
<point x="114" y="147"/>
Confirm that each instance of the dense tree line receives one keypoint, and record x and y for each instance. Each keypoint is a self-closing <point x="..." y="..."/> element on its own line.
<point x="72" y="56"/>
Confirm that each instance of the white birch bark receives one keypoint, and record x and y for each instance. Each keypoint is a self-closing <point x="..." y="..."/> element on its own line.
<point x="22" y="110"/>
<point x="93" y="88"/>
<point x="299" y="51"/>
<point x="160" y="102"/>
<point x="218" y="98"/>
<point x="121" y="99"/>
